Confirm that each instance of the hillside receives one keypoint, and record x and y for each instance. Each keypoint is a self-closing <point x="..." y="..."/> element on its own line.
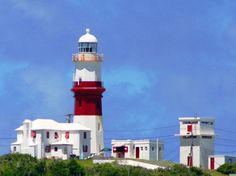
<point x="22" y="165"/>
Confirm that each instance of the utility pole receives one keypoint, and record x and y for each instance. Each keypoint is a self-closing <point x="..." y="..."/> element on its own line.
<point x="68" y="118"/>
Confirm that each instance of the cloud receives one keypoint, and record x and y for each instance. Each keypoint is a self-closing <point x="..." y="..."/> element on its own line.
<point x="131" y="80"/>
<point x="9" y="70"/>
<point x="34" y="9"/>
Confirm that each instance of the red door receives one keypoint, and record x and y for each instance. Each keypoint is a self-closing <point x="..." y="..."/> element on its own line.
<point x="212" y="163"/>
<point x="137" y="152"/>
<point x="190" y="161"/>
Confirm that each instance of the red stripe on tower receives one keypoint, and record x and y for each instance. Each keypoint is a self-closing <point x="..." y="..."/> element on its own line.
<point x="88" y="98"/>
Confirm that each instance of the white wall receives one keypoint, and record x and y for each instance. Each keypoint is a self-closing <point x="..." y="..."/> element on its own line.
<point x="87" y="71"/>
<point x="91" y="122"/>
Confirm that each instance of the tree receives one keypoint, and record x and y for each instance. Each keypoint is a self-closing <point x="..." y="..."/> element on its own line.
<point x="74" y="168"/>
<point x="58" y="168"/>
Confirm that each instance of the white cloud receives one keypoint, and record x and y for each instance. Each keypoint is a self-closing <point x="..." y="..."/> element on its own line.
<point x="133" y="80"/>
<point x="34" y="9"/>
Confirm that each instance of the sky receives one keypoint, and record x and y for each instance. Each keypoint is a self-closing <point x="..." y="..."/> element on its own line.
<point x="163" y="59"/>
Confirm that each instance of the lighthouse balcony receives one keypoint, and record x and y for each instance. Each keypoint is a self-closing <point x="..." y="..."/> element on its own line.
<point x="86" y="57"/>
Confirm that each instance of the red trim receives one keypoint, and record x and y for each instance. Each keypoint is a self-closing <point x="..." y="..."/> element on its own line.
<point x="88" y="97"/>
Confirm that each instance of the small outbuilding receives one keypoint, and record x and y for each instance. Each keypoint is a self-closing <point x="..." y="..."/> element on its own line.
<point x="138" y="149"/>
<point x="215" y="161"/>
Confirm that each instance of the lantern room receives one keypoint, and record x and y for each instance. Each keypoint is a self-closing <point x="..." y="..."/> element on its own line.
<point x="87" y="43"/>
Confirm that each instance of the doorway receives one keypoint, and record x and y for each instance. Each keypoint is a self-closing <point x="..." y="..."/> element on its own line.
<point x="137" y="152"/>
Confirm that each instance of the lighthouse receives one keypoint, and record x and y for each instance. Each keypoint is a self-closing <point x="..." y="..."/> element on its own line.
<point x="88" y="89"/>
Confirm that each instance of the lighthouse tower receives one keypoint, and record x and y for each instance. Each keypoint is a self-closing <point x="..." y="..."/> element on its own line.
<point x="88" y="89"/>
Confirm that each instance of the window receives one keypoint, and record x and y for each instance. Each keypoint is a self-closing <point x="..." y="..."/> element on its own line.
<point x="55" y="149"/>
<point x="99" y="126"/>
<point x="189" y="128"/>
<point x="47" y="134"/>
<point x="56" y="135"/>
<point x="47" y="148"/>
<point x="142" y="148"/>
<point x="67" y="135"/>
<point x="153" y="148"/>
<point x="190" y="122"/>
<point x="206" y="137"/>
<point x="65" y="151"/>
<point x="146" y="148"/>
<point x="33" y="134"/>
<point x="85" y="135"/>
<point x="14" y="149"/>
<point x="85" y="148"/>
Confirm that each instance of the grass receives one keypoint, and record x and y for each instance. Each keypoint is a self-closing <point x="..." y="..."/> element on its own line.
<point x="214" y="173"/>
<point x="85" y="163"/>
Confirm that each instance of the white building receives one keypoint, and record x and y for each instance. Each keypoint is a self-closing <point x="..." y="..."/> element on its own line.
<point x="196" y="141"/>
<point x="138" y="149"/>
<point x="215" y="161"/>
<point x="46" y="138"/>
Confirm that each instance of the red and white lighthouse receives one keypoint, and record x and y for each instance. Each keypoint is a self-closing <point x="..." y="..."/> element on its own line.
<point x="88" y="89"/>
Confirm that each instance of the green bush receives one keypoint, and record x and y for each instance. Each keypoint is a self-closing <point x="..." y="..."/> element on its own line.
<point x="227" y="168"/>
<point x="25" y="165"/>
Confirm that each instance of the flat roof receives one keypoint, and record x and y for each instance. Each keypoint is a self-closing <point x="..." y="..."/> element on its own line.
<point x="209" y="119"/>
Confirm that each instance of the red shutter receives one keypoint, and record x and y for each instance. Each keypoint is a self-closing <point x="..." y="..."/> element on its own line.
<point x="33" y="134"/>
<point x="67" y="135"/>
<point x="190" y="128"/>
<point x="55" y="135"/>
<point x="114" y="149"/>
<point x="126" y="149"/>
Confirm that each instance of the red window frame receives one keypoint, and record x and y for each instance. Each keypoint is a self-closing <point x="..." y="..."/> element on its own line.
<point x="67" y="135"/>
<point x="33" y="134"/>
<point x="190" y="128"/>
<point x="56" y="135"/>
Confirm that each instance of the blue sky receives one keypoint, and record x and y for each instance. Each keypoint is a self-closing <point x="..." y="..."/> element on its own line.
<point x="163" y="59"/>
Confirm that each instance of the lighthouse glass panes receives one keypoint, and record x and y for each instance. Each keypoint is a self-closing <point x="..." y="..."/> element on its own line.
<point x="88" y="47"/>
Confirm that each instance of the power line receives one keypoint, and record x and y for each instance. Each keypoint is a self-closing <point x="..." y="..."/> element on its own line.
<point x="150" y="137"/>
<point x="226" y="131"/>
<point x="7" y="138"/>
<point x="138" y="130"/>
